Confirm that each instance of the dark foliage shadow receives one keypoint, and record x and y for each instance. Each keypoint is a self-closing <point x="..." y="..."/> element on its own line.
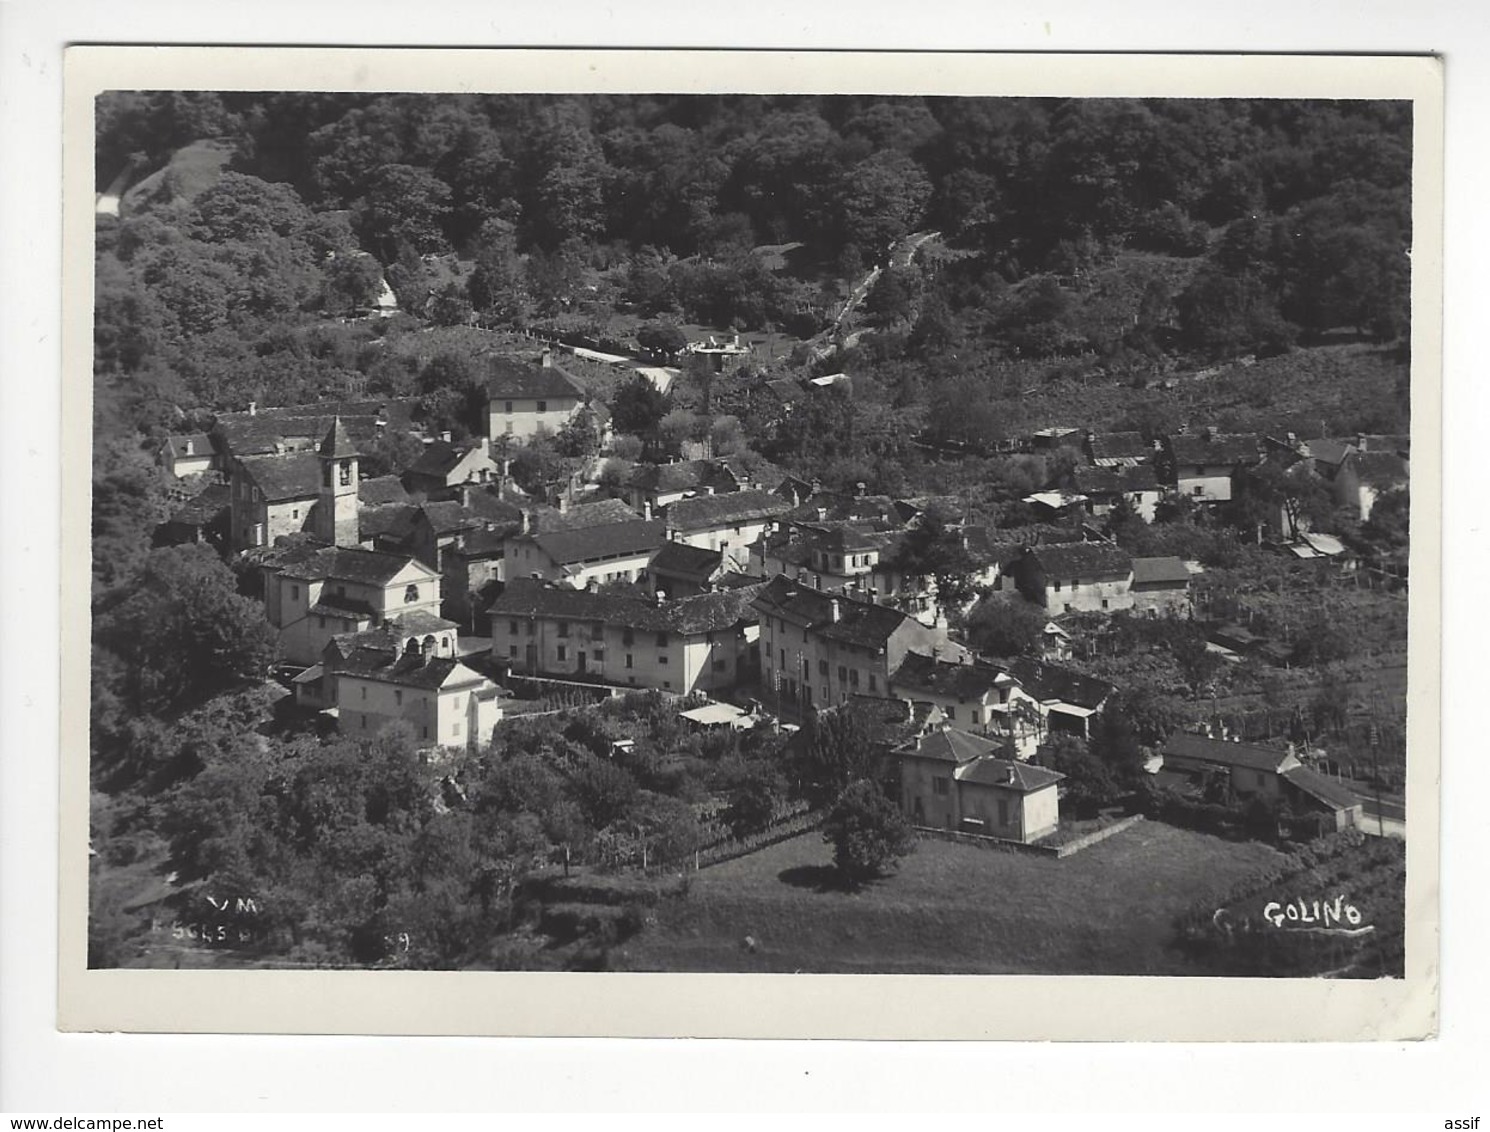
<point x="819" y="878"/>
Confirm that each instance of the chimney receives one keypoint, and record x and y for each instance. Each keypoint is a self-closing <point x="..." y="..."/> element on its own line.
<point x="817" y="485"/>
<point x="253" y="408"/>
<point x="835" y="611"/>
<point x="860" y="488"/>
<point x="465" y="495"/>
<point x="546" y="359"/>
<point x="445" y="436"/>
<point x="658" y="597"/>
<point x="817" y="581"/>
<point x="563" y="502"/>
<point x="592" y="586"/>
<point x="1360" y="441"/>
<point x="190" y="447"/>
<point x="647" y="510"/>
<point x="822" y="514"/>
<point x="526" y="522"/>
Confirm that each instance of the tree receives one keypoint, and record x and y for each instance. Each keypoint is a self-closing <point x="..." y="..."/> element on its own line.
<point x="837" y="748"/>
<point x="1005" y="625"/>
<point x="933" y="550"/>
<point x="1090" y="782"/>
<point x="752" y="802"/>
<point x="638" y="407"/>
<point x="662" y="339"/>
<point x="353" y="283"/>
<point x="1197" y="663"/>
<point x="184" y="633"/>
<point x="402" y="210"/>
<point x="868" y="833"/>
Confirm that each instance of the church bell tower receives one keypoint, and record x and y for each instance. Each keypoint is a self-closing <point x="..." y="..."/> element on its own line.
<point x="336" y="509"/>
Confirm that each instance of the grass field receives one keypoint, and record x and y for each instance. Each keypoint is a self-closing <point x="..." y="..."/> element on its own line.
<point x="950" y="909"/>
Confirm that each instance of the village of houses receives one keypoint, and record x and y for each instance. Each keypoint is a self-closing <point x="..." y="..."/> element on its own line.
<point x="755" y="599"/>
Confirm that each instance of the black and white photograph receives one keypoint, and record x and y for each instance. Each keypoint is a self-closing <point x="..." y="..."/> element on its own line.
<point x="781" y="534"/>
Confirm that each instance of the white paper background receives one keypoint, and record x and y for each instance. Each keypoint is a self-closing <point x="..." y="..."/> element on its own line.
<point x="42" y="1070"/>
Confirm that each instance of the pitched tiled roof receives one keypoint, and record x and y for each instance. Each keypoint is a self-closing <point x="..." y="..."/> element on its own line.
<point x="1048" y="682"/>
<point x="1026" y="778"/>
<point x="704" y="511"/>
<point x="684" y="561"/>
<point x="1333" y="794"/>
<point x="1378" y="469"/>
<point x="841" y="538"/>
<point x="1327" y="450"/>
<point x="1081" y="559"/>
<point x="448" y="517"/>
<point x="348" y="564"/>
<point x="838" y="506"/>
<point x="422" y="621"/>
<point x="203" y="507"/>
<point x="395" y="521"/>
<point x="199" y="442"/>
<point x="986" y="548"/>
<point x="295" y="475"/>
<point x="609" y="539"/>
<point x="1159" y="571"/>
<point x="521" y="381"/>
<point x="1221" y="450"/>
<point x="407" y="671"/>
<point x="949" y="745"/>
<point x="1119" y="445"/>
<point x="859" y="623"/>
<point x="258" y="433"/>
<point x="440" y="457"/>
<point x="681" y="475"/>
<point x="584" y="515"/>
<point x="1110" y="481"/>
<point x="381" y="490"/>
<point x="703" y="613"/>
<point x="1183" y="744"/>
<point x="966" y="682"/>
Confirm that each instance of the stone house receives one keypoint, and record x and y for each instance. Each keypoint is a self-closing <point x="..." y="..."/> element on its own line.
<point x="729" y="523"/>
<point x="1161" y="587"/>
<point x="818" y="649"/>
<point x="1202" y="465"/>
<point x="1068" y="700"/>
<point x="981" y="698"/>
<point x="1103" y="486"/>
<point x="1076" y="577"/>
<point x="443" y="467"/>
<point x="1252" y="769"/>
<point x="188" y="454"/>
<point x="704" y="643"/>
<point x="523" y="399"/>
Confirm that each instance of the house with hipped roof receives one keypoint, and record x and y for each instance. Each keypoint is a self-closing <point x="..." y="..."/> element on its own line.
<point x="703" y="643"/>
<point x="729" y="523"/>
<point x="403" y="670"/>
<point x="956" y="780"/>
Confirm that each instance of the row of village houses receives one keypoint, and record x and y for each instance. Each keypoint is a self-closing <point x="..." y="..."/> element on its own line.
<point x="760" y="580"/>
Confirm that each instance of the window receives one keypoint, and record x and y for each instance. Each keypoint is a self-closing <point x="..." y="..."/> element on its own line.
<point x="320" y="621"/>
<point x="512" y="627"/>
<point x="782" y="661"/>
<point x="822" y="668"/>
<point x="364" y="691"/>
<point x="842" y="673"/>
<point x="1104" y="603"/>
<point x="1198" y="489"/>
<point x="563" y="628"/>
<point x="599" y="655"/>
<point x="853" y="677"/>
<point x="364" y="723"/>
<point x="398" y="696"/>
<point x="295" y="513"/>
<point x="661" y="658"/>
<point x="977" y="716"/>
<point x="873" y="683"/>
<point x="939" y="787"/>
<point x="662" y="640"/>
<point x="294" y="593"/>
<point x="628" y="637"/>
<point x="424" y="733"/>
<point x="411" y="594"/>
<point x="563" y="652"/>
<point x="1067" y="607"/>
<point x="543" y="406"/>
<point x="512" y="650"/>
<point x="667" y="683"/>
<point x="629" y="662"/>
<point x="345" y="467"/>
<point x="719" y="665"/>
<point x="530" y="628"/>
<point x="455" y="728"/>
<point x="507" y="428"/>
<point x="1003" y="811"/>
<point x="1056" y="586"/>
